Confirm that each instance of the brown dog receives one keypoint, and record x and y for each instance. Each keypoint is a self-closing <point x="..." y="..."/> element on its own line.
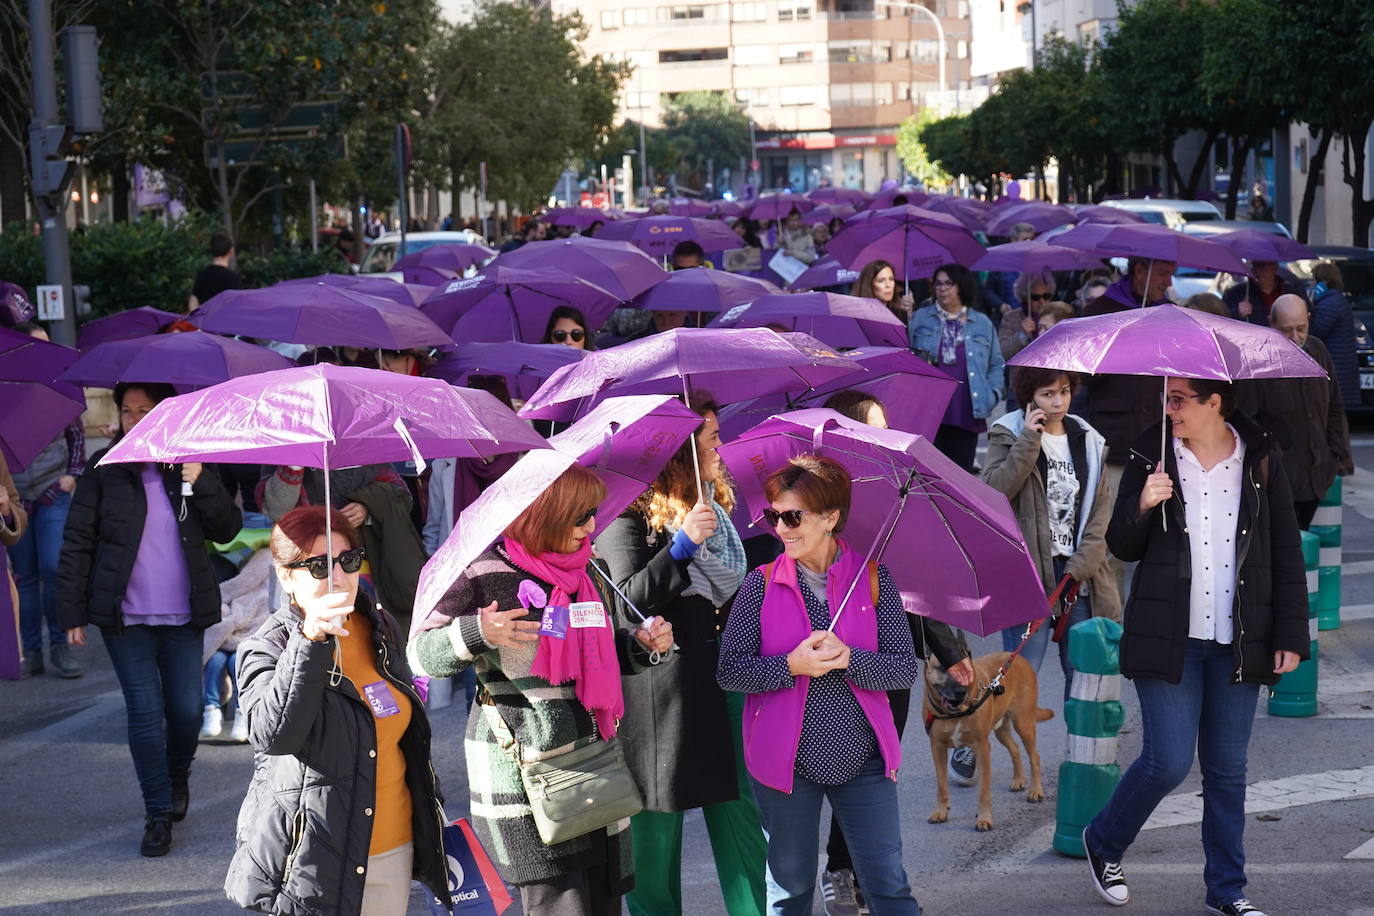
<point x="1015" y="708"/>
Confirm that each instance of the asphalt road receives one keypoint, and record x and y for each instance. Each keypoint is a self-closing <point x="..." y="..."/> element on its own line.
<point x="72" y="816"/>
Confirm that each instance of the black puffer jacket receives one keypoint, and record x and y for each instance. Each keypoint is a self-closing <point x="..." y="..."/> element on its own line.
<point x="305" y="826"/>
<point x="105" y="526"/>
<point x="1270" y="603"/>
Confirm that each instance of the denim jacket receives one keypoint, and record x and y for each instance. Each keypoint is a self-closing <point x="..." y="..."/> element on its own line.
<point x="986" y="366"/>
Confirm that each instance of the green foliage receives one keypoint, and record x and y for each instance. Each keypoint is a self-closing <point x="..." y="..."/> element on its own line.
<point x="21" y="256"/>
<point x="914" y="154"/>
<point x="660" y="155"/>
<point x="145" y="262"/>
<point x="259" y="270"/>
<point x="705" y="125"/>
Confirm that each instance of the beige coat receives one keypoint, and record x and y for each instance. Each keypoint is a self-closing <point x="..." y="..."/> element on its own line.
<point x="1011" y="468"/>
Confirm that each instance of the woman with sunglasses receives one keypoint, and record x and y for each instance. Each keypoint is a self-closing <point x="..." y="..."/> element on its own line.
<point x="134" y="564"/>
<point x="490" y="620"/>
<point x="817" y="721"/>
<point x="343" y="809"/>
<point x="568" y="326"/>
<point x="677" y="556"/>
<point x="1020" y="326"/>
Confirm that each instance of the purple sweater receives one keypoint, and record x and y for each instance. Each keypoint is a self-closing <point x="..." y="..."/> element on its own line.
<point x="159" y="591"/>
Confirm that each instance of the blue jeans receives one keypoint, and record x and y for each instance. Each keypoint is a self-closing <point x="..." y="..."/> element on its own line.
<point x="159" y="671"/>
<point x="35" y="560"/>
<point x="1203" y="711"/>
<point x="220" y="659"/>
<point x="1038" y="644"/>
<point x="866" y="807"/>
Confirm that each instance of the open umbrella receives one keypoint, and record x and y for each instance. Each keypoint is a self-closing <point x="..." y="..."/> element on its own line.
<point x="834" y="319"/>
<point x="777" y="206"/>
<point x="703" y="289"/>
<point x="1038" y="213"/>
<point x="625" y="441"/>
<point x="908" y="501"/>
<point x="827" y="212"/>
<point x="914" y="241"/>
<point x="34" y="407"/>
<point x="688" y="206"/>
<point x="407" y="293"/>
<point x="825" y="272"/>
<point x="507" y="303"/>
<point x="1096" y="213"/>
<point x="973" y="214"/>
<point x="139" y="322"/>
<point x="456" y="257"/>
<point x="617" y="267"/>
<point x="897" y="197"/>
<point x="318" y="315"/>
<point x="1254" y="245"/>
<point x="577" y="217"/>
<point x="721" y="208"/>
<point x="659" y="235"/>
<point x="1034" y="256"/>
<point x="428" y="278"/>
<point x="524" y="366"/>
<point x="196" y="359"/>
<point x="1152" y="241"/>
<point x="833" y="194"/>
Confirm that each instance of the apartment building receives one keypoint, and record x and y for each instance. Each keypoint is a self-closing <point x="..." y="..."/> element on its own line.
<point x="826" y="82"/>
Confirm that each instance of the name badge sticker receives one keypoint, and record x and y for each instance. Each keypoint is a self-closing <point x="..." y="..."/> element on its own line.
<point x="380" y="699"/>
<point x="588" y="614"/>
<point x="554" y="622"/>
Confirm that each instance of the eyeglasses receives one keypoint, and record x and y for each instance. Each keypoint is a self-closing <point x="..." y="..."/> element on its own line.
<point x="1175" y="401"/>
<point x="576" y="334"/>
<point x="1040" y="297"/>
<point x="585" y="517"/>
<point x="350" y="561"/>
<point x="941" y="282"/>
<point x="792" y="518"/>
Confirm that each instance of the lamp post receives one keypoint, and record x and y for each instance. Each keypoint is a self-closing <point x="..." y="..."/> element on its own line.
<point x="939" y="30"/>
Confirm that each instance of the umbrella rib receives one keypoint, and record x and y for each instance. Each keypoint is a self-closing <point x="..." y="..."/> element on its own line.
<point x="874" y="550"/>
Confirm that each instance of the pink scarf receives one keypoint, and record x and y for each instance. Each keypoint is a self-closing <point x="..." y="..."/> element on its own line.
<point x="587" y="655"/>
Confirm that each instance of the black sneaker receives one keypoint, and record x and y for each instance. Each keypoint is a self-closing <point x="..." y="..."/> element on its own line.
<point x="157" y="836"/>
<point x="1238" y="907"/>
<point x="181" y="795"/>
<point x="31" y="664"/>
<point x="963" y="763"/>
<point x="1108" y="879"/>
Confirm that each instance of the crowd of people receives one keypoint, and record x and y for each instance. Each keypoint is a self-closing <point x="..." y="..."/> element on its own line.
<point x="736" y="696"/>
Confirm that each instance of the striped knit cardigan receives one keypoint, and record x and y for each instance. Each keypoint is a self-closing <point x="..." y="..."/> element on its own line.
<point x="547" y="720"/>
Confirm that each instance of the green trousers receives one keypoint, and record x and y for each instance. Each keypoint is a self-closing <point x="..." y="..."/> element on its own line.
<point x="737" y="843"/>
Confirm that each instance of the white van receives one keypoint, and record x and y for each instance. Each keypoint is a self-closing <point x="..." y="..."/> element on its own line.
<point x="1167" y="211"/>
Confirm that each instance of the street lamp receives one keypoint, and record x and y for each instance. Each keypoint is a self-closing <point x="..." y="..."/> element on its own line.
<point x="939" y="29"/>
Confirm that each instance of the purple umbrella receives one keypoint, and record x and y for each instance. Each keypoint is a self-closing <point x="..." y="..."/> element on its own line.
<point x="456" y="257"/>
<point x="139" y="322"/>
<point x="826" y="212"/>
<point x="194" y="359"/>
<point x="1034" y="256"/>
<point x="577" y="217"/>
<point x="687" y="206"/>
<point x="913" y="393"/>
<point x="973" y="214"/>
<point x="1094" y="213"/>
<point x="833" y="194"/>
<point x="524" y="366"/>
<point x="428" y="278"/>
<point x="730" y="364"/>
<point x="625" y="441"/>
<point x="703" y="289"/>
<point x="777" y="206"/>
<point x="726" y="208"/>
<point x="318" y="315"/>
<point x="617" y="267"/>
<point x="825" y="272"/>
<point x="659" y="235"/>
<point x="1038" y="213"/>
<point x="840" y="321"/>
<point x="34" y="407"/>
<point x="908" y="501"/>
<point x="914" y="241"/>
<point x="402" y="293"/>
<point x="505" y="303"/>
<point x="1155" y="242"/>
<point x="897" y="197"/>
<point x="1254" y="245"/>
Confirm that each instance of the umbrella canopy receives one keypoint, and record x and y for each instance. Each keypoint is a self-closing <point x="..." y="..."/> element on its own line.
<point x="406" y="293"/>
<point x="617" y="267"/>
<point x="972" y="214"/>
<point x="1254" y="245"/>
<point x="1148" y="240"/>
<point x="318" y="315"/>
<point x="139" y="322"/>
<point x="777" y="206"/>
<point x="1095" y="213"/>
<point x="897" y="197"/>
<point x="1034" y="256"/>
<point x="840" y="321"/>
<point x="577" y="217"/>
<point x="834" y="194"/>
<point x="827" y="212"/>
<point x="825" y="272"/>
<point x="659" y="235"/>
<point x="1038" y="213"/>
<point x="506" y="303"/>
<point x="688" y="206"/>
<point x="914" y="394"/>
<point x="730" y="364"/>
<point x="725" y="208"/>
<point x="625" y="441"/>
<point x="428" y="278"/>
<point x="326" y="416"/>
<point x="523" y="366"/>
<point x="703" y="289"/>
<point x="34" y="407"/>
<point x="974" y="570"/>
<point x="914" y="241"/>
<point x="196" y="359"/>
<point x="457" y="257"/>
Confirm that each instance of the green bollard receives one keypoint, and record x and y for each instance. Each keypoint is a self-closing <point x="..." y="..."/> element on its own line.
<point x="1296" y="692"/>
<point x="1093" y="715"/>
<point x="1326" y="525"/>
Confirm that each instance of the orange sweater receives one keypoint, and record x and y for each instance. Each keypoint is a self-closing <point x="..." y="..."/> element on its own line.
<point x="391" y="825"/>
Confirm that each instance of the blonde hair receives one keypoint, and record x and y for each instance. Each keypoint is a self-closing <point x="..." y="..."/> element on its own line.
<point x="667" y="502"/>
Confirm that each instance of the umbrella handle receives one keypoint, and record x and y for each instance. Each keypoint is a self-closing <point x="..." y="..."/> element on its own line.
<point x="1164" y="438"/>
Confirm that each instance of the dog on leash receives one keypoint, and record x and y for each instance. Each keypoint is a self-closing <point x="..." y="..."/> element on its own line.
<point x="958" y="715"/>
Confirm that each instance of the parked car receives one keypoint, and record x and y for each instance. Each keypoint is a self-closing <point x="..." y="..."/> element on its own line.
<point x="1168" y="211"/>
<point x="382" y="253"/>
<point x="1189" y="281"/>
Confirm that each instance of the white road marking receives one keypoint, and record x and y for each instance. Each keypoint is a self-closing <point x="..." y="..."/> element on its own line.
<point x="1357" y="612"/>
<point x="1364" y="851"/>
<point x="1272" y="795"/>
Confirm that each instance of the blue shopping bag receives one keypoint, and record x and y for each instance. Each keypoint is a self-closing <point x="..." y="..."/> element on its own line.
<point x="474" y="885"/>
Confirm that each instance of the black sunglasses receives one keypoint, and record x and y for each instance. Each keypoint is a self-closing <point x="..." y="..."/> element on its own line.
<point x="792" y="518"/>
<point x="350" y="561"/>
<point x="1040" y="297"/>
<point x="560" y="335"/>
<point x="585" y="517"/>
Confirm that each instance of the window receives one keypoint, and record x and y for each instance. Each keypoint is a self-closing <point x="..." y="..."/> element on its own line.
<point x="961" y="49"/>
<point x="794" y="10"/>
<point x="636" y="16"/>
<point x="844" y="95"/>
<point x="754" y="55"/>
<point x="796" y="54"/>
<point x="610" y="19"/>
<point x="683" y="13"/>
<point x="753" y="98"/>
<point x="799" y="95"/>
<point x="926" y="51"/>
<point x="749" y="12"/>
<point x="637" y="100"/>
<point x="692" y="55"/>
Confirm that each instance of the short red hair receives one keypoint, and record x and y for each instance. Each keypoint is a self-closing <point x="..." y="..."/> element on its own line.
<point x="294" y="534"/>
<point x="822" y="485"/>
<point x="547" y="522"/>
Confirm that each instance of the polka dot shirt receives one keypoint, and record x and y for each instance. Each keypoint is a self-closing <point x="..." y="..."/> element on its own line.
<point x="1211" y="501"/>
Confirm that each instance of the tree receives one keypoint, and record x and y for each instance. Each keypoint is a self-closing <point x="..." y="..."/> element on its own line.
<point x="703" y="126"/>
<point x="659" y="155"/>
<point x="913" y="153"/>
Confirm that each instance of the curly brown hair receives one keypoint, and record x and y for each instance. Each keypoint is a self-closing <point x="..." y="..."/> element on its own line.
<point x="667" y="502"/>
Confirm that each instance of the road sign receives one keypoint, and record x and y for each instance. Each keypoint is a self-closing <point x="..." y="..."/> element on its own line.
<point x="50" y="303"/>
<point x="297" y="119"/>
<point x="253" y="152"/>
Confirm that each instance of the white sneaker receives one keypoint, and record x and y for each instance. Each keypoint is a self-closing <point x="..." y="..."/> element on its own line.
<point x="239" y="731"/>
<point x="213" y="723"/>
<point x="837" y="893"/>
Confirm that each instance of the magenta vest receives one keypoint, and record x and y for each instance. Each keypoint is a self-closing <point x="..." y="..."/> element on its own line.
<point x="773" y="720"/>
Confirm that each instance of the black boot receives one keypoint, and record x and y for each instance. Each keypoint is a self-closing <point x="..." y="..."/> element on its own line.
<point x="181" y="794"/>
<point x="157" y="836"/>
